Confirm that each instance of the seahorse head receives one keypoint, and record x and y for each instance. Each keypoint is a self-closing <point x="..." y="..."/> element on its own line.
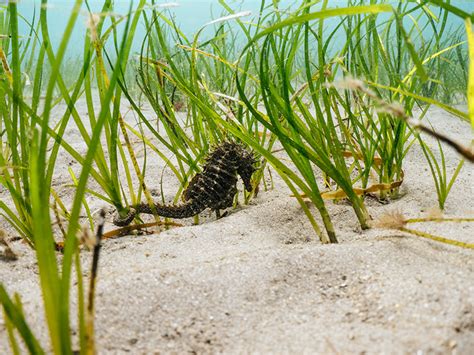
<point x="238" y="159"/>
<point x="246" y="167"/>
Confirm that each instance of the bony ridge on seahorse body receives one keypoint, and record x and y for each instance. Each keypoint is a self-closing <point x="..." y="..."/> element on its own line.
<point x="215" y="187"/>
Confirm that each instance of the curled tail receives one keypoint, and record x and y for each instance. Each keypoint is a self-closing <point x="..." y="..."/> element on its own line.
<point x="188" y="209"/>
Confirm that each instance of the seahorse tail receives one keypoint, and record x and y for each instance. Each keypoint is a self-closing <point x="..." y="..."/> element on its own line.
<point x="186" y="210"/>
<point x="125" y="221"/>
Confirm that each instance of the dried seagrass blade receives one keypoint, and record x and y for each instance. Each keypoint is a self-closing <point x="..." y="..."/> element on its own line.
<point x="396" y="220"/>
<point x="338" y="194"/>
<point x="127" y="229"/>
<point x="5" y="66"/>
<point x="436" y="238"/>
<point x="374" y="188"/>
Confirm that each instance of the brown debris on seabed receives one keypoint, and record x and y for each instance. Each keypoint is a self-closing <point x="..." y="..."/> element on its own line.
<point x="250" y="282"/>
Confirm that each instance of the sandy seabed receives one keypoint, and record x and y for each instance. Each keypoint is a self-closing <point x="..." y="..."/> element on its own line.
<point x="259" y="281"/>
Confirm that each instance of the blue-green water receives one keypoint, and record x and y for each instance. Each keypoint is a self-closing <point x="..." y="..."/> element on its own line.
<point x="190" y="15"/>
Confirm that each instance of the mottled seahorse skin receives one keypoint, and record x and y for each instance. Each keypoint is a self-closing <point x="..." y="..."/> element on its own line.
<point x="215" y="187"/>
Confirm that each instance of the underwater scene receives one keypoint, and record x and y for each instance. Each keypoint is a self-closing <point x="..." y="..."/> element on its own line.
<point x="236" y="176"/>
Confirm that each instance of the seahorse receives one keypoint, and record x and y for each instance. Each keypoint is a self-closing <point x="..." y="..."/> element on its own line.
<point x="214" y="187"/>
